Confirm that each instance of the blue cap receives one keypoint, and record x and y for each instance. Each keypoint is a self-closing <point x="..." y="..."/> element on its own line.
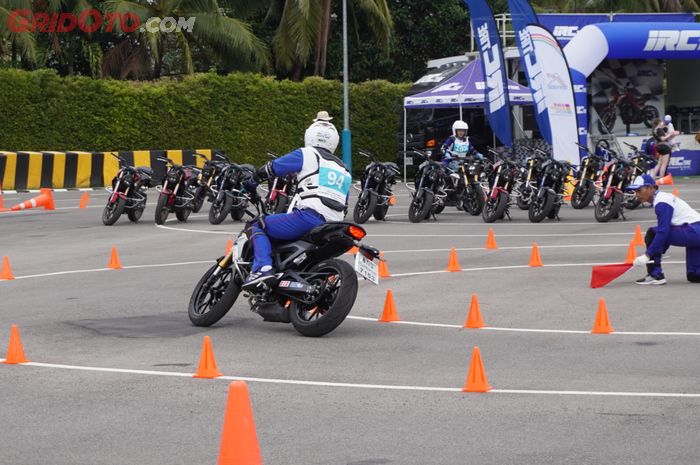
<point x="642" y="181"/>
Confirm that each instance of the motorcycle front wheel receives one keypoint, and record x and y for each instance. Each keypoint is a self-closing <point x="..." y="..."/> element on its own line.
<point x="540" y="207"/>
<point x="420" y="206"/>
<point x="219" y="209"/>
<point x="112" y="211"/>
<point x="338" y="283"/>
<point x="364" y="207"/>
<point x="198" y="201"/>
<point x="607" y="209"/>
<point x="582" y="195"/>
<point x="135" y="213"/>
<point x="213" y="296"/>
<point x="473" y="200"/>
<point x="494" y="209"/>
<point x="162" y="210"/>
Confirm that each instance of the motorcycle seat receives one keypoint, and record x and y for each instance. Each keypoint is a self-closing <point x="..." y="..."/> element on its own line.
<point x="145" y="170"/>
<point x="320" y="232"/>
<point x="391" y="164"/>
<point x="248" y="166"/>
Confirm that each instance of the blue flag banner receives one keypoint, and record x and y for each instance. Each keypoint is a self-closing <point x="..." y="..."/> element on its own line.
<point x="522" y="14"/>
<point x="497" y="102"/>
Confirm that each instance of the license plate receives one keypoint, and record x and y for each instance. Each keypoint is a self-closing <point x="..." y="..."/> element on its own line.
<point x="367" y="268"/>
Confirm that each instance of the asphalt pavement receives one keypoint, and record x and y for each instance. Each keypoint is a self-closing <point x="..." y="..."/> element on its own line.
<point x="368" y="393"/>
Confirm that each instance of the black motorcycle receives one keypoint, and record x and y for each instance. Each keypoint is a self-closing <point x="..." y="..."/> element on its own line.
<point x="587" y="176"/>
<point x="313" y="290"/>
<point x="228" y="193"/>
<point x="615" y="179"/>
<point x="549" y="196"/>
<point x="205" y="179"/>
<point x="429" y="193"/>
<point x="527" y="183"/>
<point x="177" y="191"/>
<point x="465" y="190"/>
<point x="502" y="177"/>
<point x="129" y="192"/>
<point x="376" y="195"/>
<point x="640" y="163"/>
<point x="280" y="191"/>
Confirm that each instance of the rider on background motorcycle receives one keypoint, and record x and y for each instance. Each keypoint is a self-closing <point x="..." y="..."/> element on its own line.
<point x="323" y="191"/>
<point x="458" y="146"/>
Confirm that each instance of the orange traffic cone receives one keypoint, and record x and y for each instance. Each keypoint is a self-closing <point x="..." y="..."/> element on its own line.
<point x="6" y="271"/>
<point x="84" y="200"/>
<point x="15" y="351"/>
<point x="383" y="269"/>
<point x="453" y="263"/>
<point x="491" y="241"/>
<point x="665" y="181"/>
<point x="676" y="193"/>
<point x="474" y="319"/>
<point x="229" y="246"/>
<point x="476" y="379"/>
<point x="2" y="207"/>
<point x="239" y="441"/>
<point x="354" y="251"/>
<point x="207" y="364"/>
<point x="631" y="254"/>
<point x="389" y="314"/>
<point x="602" y="322"/>
<point x="114" y="262"/>
<point x="44" y="199"/>
<point x="535" y="259"/>
<point x="638" y="239"/>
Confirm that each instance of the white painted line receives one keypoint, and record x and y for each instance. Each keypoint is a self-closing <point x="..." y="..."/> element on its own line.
<point x="231" y="233"/>
<point x="505" y="235"/>
<point x="128" y="267"/>
<point x="528" y="247"/>
<point x="361" y="385"/>
<point x="528" y="330"/>
<point x="498" y="225"/>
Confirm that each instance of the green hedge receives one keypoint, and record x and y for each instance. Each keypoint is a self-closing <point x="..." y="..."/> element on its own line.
<point x="245" y="114"/>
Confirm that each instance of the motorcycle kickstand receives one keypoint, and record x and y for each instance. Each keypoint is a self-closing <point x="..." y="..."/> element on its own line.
<point x="622" y="214"/>
<point x="507" y="213"/>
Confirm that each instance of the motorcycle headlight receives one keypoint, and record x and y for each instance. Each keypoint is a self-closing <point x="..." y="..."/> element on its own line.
<point x="472" y="170"/>
<point x="433" y="176"/>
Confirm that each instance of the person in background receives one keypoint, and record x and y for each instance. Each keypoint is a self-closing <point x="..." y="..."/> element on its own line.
<point x="458" y="145"/>
<point x="672" y="133"/>
<point x="660" y="133"/>
<point x="678" y="225"/>
<point x="323" y="116"/>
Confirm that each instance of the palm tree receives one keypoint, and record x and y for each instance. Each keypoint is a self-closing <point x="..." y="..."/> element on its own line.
<point x="20" y="45"/>
<point x="304" y="26"/>
<point x="212" y="29"/>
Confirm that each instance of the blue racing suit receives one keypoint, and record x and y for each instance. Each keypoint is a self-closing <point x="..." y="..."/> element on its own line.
<point x="455" y="147"/>
<point x="678" y="225"/>
<point x="323" y="182"/>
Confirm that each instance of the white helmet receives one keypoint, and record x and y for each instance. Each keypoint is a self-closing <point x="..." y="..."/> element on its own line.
<point x="667" y="119"/>
<point x="459" y="124"/>
<point x="322" y="134"/>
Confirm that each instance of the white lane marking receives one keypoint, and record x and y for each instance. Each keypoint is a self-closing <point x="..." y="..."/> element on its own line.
<point x="512" y="267"/>
<point x="128" y="267"/>
<point x="195" y="230"/>
<point x="528" y="330"/>
<point x="392" y="387"/>
<point x="498" y="225"/>
<point x="528" y="247"/>
<point x="505" y="235"/>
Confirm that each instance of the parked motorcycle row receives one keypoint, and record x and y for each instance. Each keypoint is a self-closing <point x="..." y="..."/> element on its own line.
<point x="480" y="186"/>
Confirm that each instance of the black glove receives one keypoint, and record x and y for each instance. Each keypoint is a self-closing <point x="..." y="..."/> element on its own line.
<point x="263" y="173"/>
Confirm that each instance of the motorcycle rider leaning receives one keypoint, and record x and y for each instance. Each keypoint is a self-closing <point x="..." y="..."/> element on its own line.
<point x="322" y="196"/>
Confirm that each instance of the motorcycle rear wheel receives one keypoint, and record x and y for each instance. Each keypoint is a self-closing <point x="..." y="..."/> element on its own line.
<point x="322" y="317"/>
<point x="213" y="297"/>
<point x="112" y="211"/>
<point x="608" y="209"/>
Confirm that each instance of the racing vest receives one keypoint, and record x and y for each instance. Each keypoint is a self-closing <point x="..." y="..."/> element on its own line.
<point x="324" y="184"/>
<point x="460" y="148"/>
<point x="682" y="212"/>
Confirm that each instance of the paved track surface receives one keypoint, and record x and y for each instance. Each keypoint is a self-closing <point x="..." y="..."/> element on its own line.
<point x="136" y="319"/>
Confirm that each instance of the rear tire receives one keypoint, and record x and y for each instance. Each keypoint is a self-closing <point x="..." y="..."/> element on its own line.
<point x="162" y="210"/>
<point x="222" y="294"/>
<point x="607" y="209"/>
<point x="339" y="308"/>
<point x="112" y="211"/>
<point x="495" y="209"/>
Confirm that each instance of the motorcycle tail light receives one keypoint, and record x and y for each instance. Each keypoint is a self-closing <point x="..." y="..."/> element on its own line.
<point x="356" y="232"/>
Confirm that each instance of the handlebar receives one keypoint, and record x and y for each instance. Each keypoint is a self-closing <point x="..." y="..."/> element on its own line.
<point x="366" y="154"/>
<point x="272" y="155"/>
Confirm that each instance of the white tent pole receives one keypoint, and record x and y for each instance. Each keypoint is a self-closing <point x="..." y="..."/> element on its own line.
<point x="405" y="167"/>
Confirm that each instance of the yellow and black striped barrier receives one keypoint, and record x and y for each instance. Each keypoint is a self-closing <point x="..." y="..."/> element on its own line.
<point x="72" y="170"/>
